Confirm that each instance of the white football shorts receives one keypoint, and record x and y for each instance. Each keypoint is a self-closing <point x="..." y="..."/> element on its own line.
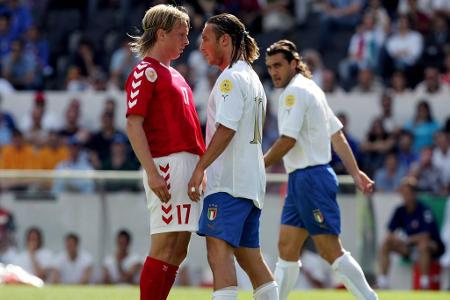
<point x="180" y="213"/>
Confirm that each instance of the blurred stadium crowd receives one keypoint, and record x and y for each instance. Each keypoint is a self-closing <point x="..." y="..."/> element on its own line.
<point x="363" y="47"/>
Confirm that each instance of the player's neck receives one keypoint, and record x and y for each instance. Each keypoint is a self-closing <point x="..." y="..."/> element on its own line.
<point x="159" y="55"/>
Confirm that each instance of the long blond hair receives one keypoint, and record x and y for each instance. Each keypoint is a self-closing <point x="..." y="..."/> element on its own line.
<point x="161" y="16"/>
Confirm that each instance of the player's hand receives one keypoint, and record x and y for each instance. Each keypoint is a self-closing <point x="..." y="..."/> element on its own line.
<point x="194" y="184"/>
<point x="159" y="186"/>
<point x="364" y="183"/>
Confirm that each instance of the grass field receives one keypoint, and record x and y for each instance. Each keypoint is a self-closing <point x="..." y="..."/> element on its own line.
<point x="132" y="293"/>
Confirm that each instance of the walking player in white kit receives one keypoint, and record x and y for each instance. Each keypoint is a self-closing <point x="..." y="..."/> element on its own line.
<point x="165" y="133"/>
<point x="307" y="127"/>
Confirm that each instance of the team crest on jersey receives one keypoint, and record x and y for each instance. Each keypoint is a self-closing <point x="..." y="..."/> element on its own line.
<point x="151" y="75"/>
<point x="226" y="86"/>
<point x="318" y="216"/>
<point x="289" y="101"/>
<point x="212" y="212"/>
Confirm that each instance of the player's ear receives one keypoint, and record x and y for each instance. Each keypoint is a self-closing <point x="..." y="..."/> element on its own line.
<point x="225" y="40"/>
<point x="160" y="34"/>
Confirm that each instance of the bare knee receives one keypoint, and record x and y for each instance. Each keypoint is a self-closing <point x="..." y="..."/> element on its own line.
<point x="288" y="251"/>
<point x="219" y="256"/>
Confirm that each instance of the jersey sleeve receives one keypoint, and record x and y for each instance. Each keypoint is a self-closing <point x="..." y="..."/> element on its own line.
<point x="139" y="89"/>
<point x="295" y="103"/>
<point x="230" y="106"/>
<point x="334" y="125"/>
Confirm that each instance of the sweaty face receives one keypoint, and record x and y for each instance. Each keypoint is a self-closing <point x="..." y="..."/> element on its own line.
<point x="280" y="70"/>
<point x="177" y="39"/>
<point x="209" y="46"/>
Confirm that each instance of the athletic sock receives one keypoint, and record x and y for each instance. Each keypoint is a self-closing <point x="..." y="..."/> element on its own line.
<point x="353" y="278"/>
<point x="383" y="282"/>
<point x="152" y="279"/>
<point x="171" y="274"/>
<point x="266" y="291"/>
<point x="286" y="275"/>
<point x="228" y="293"/>
<point x="424" y="282"/>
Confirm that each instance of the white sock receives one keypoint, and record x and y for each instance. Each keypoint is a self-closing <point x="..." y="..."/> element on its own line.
<point x="383" y="282"/>
<point x="286" y="275"/>
<point x="424" y="281"/>
<point x="267" y="291"/>
<point x="353" y="278"/>
<point x="228" y="293"/>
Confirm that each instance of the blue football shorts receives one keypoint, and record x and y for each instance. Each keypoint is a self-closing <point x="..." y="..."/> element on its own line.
<point x="311" y="201"/>
<point x="234" y="220"/>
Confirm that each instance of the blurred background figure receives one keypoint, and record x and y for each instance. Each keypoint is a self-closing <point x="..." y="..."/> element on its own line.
<point x="123" y="266"/>
<point x="73" y="265"/>
<point x="35" y="259"/>
<point x="8" y="251"/>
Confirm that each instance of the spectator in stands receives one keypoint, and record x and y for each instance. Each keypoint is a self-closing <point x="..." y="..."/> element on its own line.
<point x="367" y="83"/>
<point x="363" y="50"/>
<point x="120" y="159"/>
<point x="431" y="85"/>
<point x="7" y="228"/>
<point x="122" y="63"/>
<point x="422" y="235"/>
<point x="7" y="35"/>
<point x="436" y="41"/>
<point x="39" y="49"/>
<point x="53" y="152"/>
<point x="100" y="142"/>
<point x="378" y="142"/>
<point x="382" y="19"/>
<point x="398" y="83"/>
<point x="330" y="85"/>
<point x="77" y="161"/>
<point x="36" y="135"/>
<point x="405" y="153"/>
<point x="387" y="117"/>
<point x="73" y="265"/>
<point x="388" y="177"/>
<point x="75" y="81"/>
<point x="404" y="48"/>
<point x="314" y="62"/>
<point x="123" y="266"/>
<point x="338" y="14"/>
<point x="72" y="126"/>
<point x="428" y="177"/>
<point x="7" y="125"/>
<point x="19" y="67"/>
<point x="441" y="156"/>
<point x="17" y="155"/>
<point x="419" y="13"/>
<point x="423" y="126"/>
<point x="35" y="259"/>
<point x="336" y="163"/>
<point x="447" y="125"/>
<point x="50" y="121"/>
<point x="21" y="18"/>
<point x="85" y="59"/>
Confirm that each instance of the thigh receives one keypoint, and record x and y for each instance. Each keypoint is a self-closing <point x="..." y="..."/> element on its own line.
<point x="253" y="263"/>
<point x="317" y="203"/>
<point x="180" y="213"/>
<point x="224" y="217"/>
<point x="290" y="242"/>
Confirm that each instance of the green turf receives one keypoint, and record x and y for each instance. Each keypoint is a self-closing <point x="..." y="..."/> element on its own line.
<point x="132" y="293"/>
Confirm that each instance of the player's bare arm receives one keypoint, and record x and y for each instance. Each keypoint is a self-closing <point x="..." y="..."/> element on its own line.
<point x="138" y="141"/>
<point x="342" y="149"/>
<point x="222" y="137"/>
<point x="279" y="149"/>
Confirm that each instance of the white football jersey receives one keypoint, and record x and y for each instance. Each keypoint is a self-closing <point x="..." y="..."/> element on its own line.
<point x="304" y="114"/>
<point x="238" y="102"/>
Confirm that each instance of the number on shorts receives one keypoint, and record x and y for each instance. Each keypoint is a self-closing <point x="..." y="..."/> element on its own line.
<point x="187" y="207"/>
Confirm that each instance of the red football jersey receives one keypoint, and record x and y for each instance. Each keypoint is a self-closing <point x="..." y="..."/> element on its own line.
<point x="163" y="97"/>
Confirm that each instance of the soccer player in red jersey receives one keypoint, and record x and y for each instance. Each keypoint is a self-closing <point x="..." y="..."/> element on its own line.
<point x="164" y="130"/>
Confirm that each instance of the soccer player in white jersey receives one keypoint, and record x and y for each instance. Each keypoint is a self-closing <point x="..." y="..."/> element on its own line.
<point x="233" y="161"/>
<point x="307" y="126"/>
